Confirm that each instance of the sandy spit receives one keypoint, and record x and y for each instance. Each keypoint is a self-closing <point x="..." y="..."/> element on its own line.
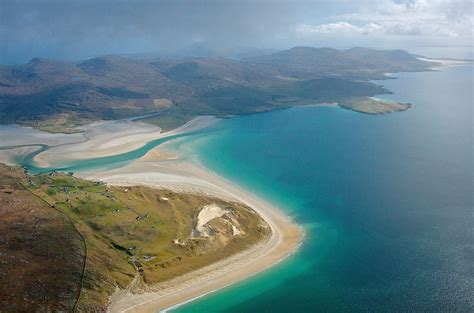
<point x="108" y="138"/>
<point x="440" y="63"/>
<point x="184" y="176"/>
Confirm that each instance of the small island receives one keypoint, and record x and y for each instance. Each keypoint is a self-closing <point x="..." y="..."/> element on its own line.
<point x="374" y="106"/>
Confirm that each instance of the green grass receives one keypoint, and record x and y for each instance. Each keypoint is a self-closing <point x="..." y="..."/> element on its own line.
<point x="125" y="227"/>
<point x="374" y="106"/>
<point x="238" y="100"/>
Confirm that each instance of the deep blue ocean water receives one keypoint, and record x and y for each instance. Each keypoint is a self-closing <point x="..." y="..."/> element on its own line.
<point x="386" y="201"/>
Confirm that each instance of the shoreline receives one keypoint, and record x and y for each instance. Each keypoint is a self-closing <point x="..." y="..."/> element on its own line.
<point x="184" y="176"/>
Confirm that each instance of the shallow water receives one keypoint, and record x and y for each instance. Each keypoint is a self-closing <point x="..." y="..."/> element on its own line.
<point x="102" y="163"/>
<point x="386" y="201"/>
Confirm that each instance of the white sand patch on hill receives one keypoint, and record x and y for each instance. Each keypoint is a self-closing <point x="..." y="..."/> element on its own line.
<point x="207" y="214"/>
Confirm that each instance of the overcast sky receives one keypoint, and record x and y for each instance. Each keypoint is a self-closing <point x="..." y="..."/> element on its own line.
<point x="77" y="29"/>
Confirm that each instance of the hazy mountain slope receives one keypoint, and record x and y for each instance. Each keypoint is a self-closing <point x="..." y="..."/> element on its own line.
<point x="307" y="62"/>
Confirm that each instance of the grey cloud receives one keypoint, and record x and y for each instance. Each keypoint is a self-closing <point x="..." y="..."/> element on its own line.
<point x="75" y="29"/>
<point x="86" y="27"/>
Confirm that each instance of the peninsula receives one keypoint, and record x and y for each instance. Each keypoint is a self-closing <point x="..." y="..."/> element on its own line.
<point x="144" y="236"/>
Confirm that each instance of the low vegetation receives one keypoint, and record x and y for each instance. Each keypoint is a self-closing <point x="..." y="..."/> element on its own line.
<point x="374" y="106"/>
<point x="42" y="255"/>
<point x="59" y="123"/>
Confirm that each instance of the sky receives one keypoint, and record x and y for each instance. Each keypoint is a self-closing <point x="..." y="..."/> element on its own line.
<point x="80" y="29"/>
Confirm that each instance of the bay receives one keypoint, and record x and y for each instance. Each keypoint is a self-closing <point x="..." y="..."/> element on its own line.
<point x="385" y="201"/>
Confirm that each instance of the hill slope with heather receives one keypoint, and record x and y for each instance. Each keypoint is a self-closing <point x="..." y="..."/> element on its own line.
<point x="56" y="96"/>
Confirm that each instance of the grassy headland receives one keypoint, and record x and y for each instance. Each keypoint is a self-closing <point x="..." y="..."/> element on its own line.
<point x="133" y="236"/>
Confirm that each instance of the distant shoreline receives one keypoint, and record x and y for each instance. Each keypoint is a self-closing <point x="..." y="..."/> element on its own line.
<point x="445" y="62"/>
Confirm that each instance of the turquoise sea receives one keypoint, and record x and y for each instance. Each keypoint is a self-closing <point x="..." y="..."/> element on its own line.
<point x="386" y="201"/>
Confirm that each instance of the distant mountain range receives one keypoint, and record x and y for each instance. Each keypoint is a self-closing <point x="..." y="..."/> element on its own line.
<point x="112" y="87"/>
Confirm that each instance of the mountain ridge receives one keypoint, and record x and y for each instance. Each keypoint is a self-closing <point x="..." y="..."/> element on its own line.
<point x="111" y="86"/>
